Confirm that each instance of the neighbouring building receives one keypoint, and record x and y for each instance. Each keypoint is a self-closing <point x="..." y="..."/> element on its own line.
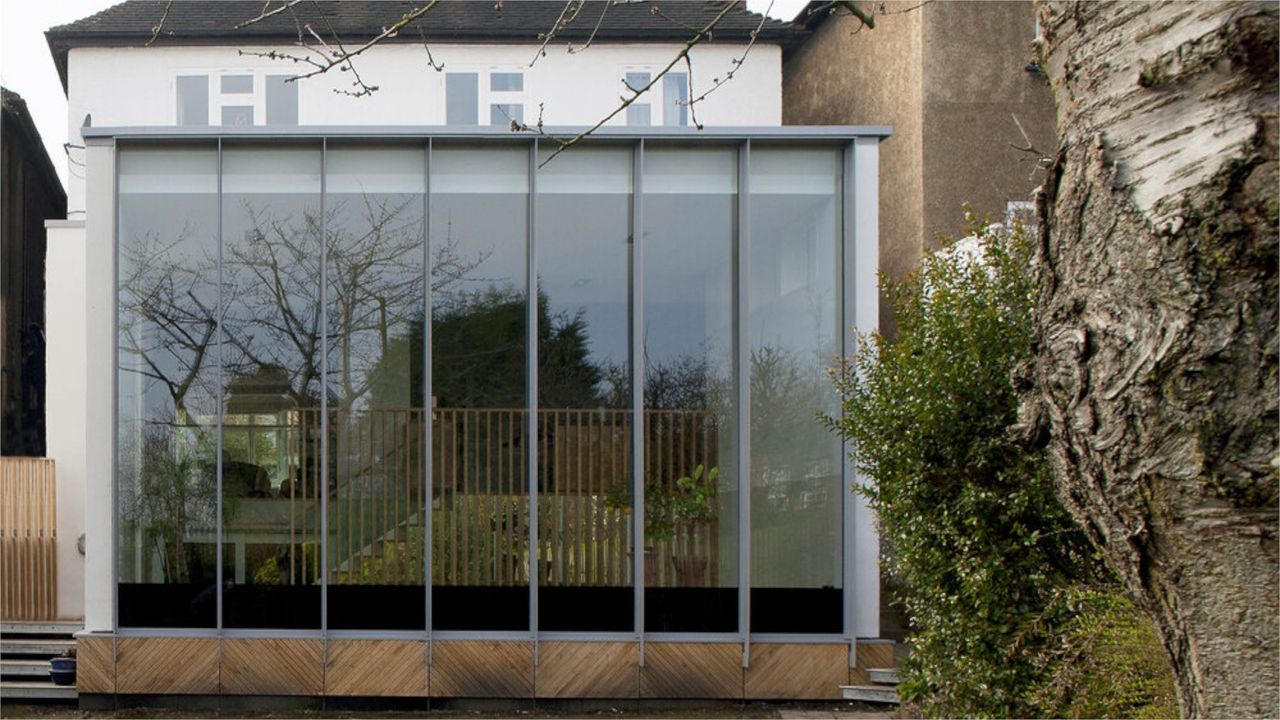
<point x="950" y="78"/>
<point x="30" y="193"/>
<point x="379" y="398"/>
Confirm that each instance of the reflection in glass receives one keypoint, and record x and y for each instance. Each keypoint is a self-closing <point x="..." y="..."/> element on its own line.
<point x="584" y="392"/>
<point x="794" y="325"/>
<point x="375" y="311"/>
<point x="479" y="296"/>
<point x="691" y="483"/>
<point x="167" y="384"/>
<point x="272" y="345"/>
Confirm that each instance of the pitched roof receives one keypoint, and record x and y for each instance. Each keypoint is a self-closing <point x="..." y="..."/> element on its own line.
<point x="213" y="23"/>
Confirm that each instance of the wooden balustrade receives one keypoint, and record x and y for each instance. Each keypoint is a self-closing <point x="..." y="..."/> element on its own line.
<point x="28" y="539"/>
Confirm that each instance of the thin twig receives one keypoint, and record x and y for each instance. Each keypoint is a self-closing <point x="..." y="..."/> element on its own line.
<point x="735" y="63"/>
<point x="701" y="35"/>
<point x="591" y="38"/>
<point x="155" y="31"/>
<point x="560" y="24"/>
<point x="264" y="14"/>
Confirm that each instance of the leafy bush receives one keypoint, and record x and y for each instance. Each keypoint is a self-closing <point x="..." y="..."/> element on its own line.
<point x="1103" y="660"/>
<point x="972" y="528"/>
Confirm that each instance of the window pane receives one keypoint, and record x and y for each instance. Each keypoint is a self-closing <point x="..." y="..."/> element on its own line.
<point x="376" y="310"/>
<point x="271" y="451"/>
<point x="584" y="392"/>
<point x="480" y="497"/>
<point x="797" y="491"/>
<point x="690" y="396"/>
<point x="675" y="92"/>
<point x="638" y="114"/>
<point x="462" y="99"/>
<point x="237" y="84"/>
<point x="504" y="114"/>
<point x="282" y="100"/>
<point x="193" y="100"/>
<point x="237" y="115"/>
<point x="167" y="385"/>
<point x="506" y="82"/>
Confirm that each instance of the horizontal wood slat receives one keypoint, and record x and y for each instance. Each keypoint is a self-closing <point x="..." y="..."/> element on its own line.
<point x="692" y="670"/>
<point x="786" y="671"/>
<point x="272" y="666"/>
<point x="376" y="668"/>
<point x="166" y="666"/>
<point x="587" y="670"/>
<point x="28" y="539"/>
<point x="95" y="665"/>
<point x="481" y="669"/>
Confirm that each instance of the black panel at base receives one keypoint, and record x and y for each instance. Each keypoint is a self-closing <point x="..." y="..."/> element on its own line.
<point x="797" y="610"/>
<point x="456" y="607"/>
<point x="167" y="606"/>
<point x="691" y="609"/>
<point x="377" y="607"/>
<point x="272" y="607"/>
<point x="586" y="609"/>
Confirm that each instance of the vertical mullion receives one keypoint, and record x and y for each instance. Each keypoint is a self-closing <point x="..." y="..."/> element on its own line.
<point x="847" y="284"/>
<point x="637" y="389"/>
<point x="742" y="366"/>
<point x="324" y="399"/>
<point x="531" y="390"/>
<point x="218" y="378"/>
<point x="428" y="408"/>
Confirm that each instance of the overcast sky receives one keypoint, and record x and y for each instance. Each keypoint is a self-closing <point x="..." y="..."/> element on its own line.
<point x="27" y="68"/>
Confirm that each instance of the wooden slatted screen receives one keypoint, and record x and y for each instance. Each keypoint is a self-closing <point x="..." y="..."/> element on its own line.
<point x="28" y="539"/>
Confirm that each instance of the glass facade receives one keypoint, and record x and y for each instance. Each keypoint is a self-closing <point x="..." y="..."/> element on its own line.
<point x="450" y="385"/>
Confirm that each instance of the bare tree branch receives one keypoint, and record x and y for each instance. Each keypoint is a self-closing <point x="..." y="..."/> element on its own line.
<point x="155" y="31"/>
<point x="561" y="23"/>
<point x="735" y="63"/>
<point x="284" y="5"/>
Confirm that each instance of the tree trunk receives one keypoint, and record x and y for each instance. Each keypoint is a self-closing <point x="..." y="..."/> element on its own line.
<point x="1155" y="379"/>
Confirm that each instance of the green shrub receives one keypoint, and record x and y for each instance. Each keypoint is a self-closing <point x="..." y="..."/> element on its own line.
<point x="972" y="529"/>
<point x="1103" y="659"/>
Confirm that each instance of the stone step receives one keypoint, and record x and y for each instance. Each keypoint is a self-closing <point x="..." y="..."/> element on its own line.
<point x="32" y="646"/>
<point x="50" y="627"/>
<point x="870" y="693"/>
<point x="24" y="668"/>
<point x="30" y="690"/>
<point x="883" y="676"/>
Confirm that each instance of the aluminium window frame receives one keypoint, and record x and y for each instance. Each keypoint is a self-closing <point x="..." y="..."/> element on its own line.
<point x="858" y="252"/>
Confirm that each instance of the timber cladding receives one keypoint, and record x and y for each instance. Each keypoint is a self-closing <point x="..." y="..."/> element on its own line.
<point x="468" y="668"/>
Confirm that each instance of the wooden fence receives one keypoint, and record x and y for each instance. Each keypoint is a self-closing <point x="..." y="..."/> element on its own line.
<point x="28" y="539"/>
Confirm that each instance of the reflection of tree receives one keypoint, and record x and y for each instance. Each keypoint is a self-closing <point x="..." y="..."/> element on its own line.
<point x="168" y="305"/>
<point x="786" y="395"/>
<point x="175" y="490"/>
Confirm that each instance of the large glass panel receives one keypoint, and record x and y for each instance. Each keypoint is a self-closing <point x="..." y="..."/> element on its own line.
<point x="271" y="450"/>
<point x="479" y="400"/>
<point x="462" y="98"/>
<point x="167" y="383"/>
<point x="691" y="477"/>
<point x="797" y="494"/>
<point x="584" y="392"/>
<point x="376" y="309"/>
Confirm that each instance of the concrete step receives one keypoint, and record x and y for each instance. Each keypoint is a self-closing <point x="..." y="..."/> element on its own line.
<point x="883" y="676"/>
<point x="30" y="690"/>
<point x="51" y="627"/>
<point x="870" y="693"/>
<point x="24" y="668"/>
<point x="32" y="646"/>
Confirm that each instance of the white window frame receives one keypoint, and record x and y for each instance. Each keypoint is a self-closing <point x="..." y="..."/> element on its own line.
<point x="656" y="98"/>
<point x="485" y="98"/>
<point x="217" y="99"/>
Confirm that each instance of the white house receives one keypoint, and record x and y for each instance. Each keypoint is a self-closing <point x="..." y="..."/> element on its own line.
<point x="375" y="394"/>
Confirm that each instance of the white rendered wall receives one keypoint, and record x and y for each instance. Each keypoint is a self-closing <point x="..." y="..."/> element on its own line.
<point x="136" y="86"/>
<point x="65" y="356"/>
